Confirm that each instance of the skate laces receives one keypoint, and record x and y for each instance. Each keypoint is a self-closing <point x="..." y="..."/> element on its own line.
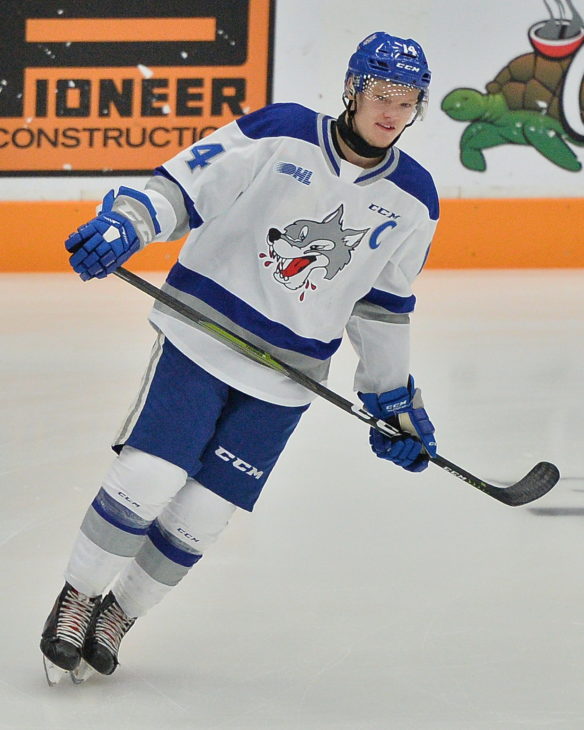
<point x="111" y="626"/>
<point x="74" y="616"/>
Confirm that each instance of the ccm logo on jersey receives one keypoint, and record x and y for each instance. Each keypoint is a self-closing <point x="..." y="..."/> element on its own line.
<point x="238" y="463"/>
<point x="383" y="211"/>
<point x="298" y="173"/>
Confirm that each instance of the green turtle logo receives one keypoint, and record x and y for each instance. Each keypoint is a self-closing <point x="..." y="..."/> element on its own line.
<point x="537" y="99"/>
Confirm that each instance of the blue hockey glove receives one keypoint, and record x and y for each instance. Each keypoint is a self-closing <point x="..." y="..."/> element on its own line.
<point x="403" y="407"/>
<point x="125" y="224"/>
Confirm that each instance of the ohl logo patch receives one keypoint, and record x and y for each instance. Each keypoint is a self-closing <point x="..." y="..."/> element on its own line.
<point x="536" y="99"/>
<point x="111" y="87"/>
<point x="297" y="173"/>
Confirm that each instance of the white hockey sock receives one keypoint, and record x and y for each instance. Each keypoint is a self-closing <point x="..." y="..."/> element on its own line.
<point x="190" y="523"/>
<point x="136" y="489"/>
<point x="91" y="568"/>
<point x="137" y="592"/>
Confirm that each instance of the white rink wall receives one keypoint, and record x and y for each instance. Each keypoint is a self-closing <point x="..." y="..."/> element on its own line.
<point x="467" y="42"/>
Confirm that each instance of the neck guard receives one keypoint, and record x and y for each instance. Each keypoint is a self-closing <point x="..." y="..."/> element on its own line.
<point x="355" y="141"/>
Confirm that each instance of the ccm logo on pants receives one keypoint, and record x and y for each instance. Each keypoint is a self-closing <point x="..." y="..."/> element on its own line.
<point x="238" y="463"/>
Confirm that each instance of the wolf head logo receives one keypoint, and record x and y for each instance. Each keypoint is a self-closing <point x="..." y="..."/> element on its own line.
<point x="306" y="245"/>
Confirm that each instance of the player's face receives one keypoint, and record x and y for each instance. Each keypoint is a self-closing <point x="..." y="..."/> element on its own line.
<point x="383" y="111"/>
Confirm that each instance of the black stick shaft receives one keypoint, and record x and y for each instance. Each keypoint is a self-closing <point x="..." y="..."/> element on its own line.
<point x="534" y="485"/>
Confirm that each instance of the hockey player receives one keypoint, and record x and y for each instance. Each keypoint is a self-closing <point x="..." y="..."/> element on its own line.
<point x="300" y="226"/>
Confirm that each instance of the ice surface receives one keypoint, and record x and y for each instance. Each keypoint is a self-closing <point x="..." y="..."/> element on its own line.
<point x="356" y="596"/>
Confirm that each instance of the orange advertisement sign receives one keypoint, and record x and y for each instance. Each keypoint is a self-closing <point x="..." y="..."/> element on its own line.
<point x="112" y="88"/>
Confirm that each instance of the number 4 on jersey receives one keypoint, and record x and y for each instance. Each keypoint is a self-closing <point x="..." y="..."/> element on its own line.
<point x="202" y="154"/>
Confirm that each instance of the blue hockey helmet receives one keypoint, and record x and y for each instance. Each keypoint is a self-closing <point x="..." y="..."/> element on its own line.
<point x="389" y="58"/>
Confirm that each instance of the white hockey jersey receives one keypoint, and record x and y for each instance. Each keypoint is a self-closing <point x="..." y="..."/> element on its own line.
<point x="289" y="245"/>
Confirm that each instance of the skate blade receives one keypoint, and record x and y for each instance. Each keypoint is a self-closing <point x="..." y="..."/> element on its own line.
<point x="83" y="672"/>
<point x="53" y="673"/>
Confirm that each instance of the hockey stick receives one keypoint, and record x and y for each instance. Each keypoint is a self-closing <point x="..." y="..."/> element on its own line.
<point x="534" y="485"/>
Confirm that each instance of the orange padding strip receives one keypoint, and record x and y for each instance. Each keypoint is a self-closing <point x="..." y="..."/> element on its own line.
<point x="472" y="234"/>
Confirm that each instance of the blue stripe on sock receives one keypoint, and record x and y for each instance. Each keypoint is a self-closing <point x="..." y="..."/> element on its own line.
<point x="182" y="557"/>
<point x="110" y="510"/>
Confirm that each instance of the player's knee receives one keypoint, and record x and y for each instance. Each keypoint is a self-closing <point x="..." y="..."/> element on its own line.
<point x="143" y="483"/>
<point x="197" y="516"/>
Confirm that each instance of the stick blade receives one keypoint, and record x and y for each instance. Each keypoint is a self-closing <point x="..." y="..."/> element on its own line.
<point x="534" y="485"/>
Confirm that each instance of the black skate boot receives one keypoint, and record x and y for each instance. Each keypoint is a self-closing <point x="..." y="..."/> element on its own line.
<point x="64" y="632"/>
<point x="109" y="626"/>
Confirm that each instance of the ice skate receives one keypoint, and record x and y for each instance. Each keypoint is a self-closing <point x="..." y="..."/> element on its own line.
<point x="109" y="626"/>
<point x="82" y="673"/>
<point x="64" y="632"/>
<point x="53" y="673"/>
